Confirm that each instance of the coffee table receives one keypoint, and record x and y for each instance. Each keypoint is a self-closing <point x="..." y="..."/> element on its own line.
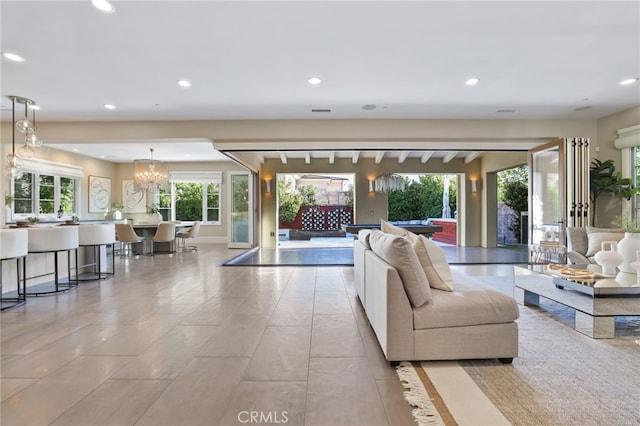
<point x="596" y="301"/>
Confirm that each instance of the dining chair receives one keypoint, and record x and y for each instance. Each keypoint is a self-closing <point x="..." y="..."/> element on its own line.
<point x="127" y="236"/>
<point x="166" y="233"/>
<point x="188" y="234"/>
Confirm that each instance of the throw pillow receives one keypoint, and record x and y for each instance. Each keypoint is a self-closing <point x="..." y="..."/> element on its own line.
<point x="398" y="252"/>
<point x="597" y="238"/>
<point x="390" y="228"/>
<point x="363" y="237"/>
<point x="434" y="263"/>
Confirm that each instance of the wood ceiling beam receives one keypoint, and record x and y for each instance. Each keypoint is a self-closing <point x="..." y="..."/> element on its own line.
<point x="379" y="157"/>
<point x="307" y="158"/>
<point x="283" y="157"/>
<point x="403" y="156"/>
<point x="332" y="157"/>
<point x="449" y="156"/>
<point x="425" y="157"/>
<point x="471" y="156"/>
<point x="354" y="157"/>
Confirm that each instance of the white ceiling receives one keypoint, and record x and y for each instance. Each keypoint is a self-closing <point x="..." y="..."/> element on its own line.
<point x="251" y="60"/>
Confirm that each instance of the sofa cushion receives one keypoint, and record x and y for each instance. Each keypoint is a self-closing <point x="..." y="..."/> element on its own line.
<point x="595" y="240"/>
<point x="577" y="239"/>
<point x="390" y="228"/>
<point x="434" y="263"/>
<point x="472" y="303"/>
<point x="363" y="237"/>
<point x="398" y="252"/>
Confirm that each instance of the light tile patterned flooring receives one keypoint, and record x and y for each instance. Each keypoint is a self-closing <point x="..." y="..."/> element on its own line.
<point x="179" y="340"/>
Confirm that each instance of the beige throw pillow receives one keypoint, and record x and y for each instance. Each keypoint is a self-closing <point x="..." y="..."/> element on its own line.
<point x="390" y="228"/>
<point x="398" y="252"/>
<point x="363" y="237"/>
<point x="597" y="238"/>
<point x="434" y="263"/>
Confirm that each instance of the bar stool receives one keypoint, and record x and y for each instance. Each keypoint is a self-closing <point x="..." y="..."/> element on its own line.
<point x="54" y="240"/>
<point x="96" y="236"/>
<point x="14" y="244"/>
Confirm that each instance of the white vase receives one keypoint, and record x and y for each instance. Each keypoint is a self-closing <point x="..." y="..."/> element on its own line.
<point x="608" y="257"/>
<point x="628" y="247"/>
<point x="154" y="218"/>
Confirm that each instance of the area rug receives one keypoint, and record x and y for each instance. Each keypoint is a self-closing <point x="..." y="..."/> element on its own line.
<point x="443" y="394"/>
<point x="421" y="394"/>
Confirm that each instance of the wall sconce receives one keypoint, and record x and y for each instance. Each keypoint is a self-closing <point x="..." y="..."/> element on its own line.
<point x="371" y="185"/>
<point x="267" y="186"/>
<point x="474" y="186"/>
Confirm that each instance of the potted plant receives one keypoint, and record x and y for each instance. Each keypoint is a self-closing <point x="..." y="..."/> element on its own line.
<point x="153" y="214"/>
<point x="604" y="178"/>
<point x="114" y="211"/>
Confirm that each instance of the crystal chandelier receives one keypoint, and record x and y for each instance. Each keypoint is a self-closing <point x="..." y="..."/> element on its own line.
<point x="150" y="174"/>
<point x="389" y="182"/>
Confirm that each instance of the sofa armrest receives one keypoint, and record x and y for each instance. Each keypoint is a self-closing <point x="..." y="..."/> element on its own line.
<point x="388" y="309"/>
<point x="577" y="258"/>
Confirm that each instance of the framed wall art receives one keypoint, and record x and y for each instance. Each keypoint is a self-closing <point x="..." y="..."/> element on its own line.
<point x="99" y="194"/>
<point x="134" y="200"/>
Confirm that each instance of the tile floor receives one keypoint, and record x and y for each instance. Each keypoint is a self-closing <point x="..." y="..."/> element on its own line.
<point x="179" y="340"/>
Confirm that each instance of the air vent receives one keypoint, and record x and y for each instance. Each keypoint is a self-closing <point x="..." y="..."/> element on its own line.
<point x="505" y="111"/>
<point x="584" y="108"/>
<point x="321" y="110"/>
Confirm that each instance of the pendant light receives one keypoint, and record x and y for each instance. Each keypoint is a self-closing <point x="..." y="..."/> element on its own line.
<point x="13" y="166"/>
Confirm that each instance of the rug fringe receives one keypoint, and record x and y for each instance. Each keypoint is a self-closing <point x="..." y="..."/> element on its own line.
<point x="425" y="412"/>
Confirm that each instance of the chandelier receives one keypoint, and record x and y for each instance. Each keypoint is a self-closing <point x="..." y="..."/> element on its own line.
<point x="150" y="174"/>
<point x="389" y="182"/>
<point x="13" y="166"/>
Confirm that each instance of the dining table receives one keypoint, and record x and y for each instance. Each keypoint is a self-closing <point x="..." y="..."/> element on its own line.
<point x="147" y="231"/>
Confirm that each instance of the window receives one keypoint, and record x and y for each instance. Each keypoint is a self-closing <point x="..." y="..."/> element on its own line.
<point x="46" y="189"/>
<point x="41" y="194"/>
<point x="193" y="196"/>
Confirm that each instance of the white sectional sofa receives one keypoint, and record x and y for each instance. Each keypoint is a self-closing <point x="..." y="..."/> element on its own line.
<point x="473" y="321"/>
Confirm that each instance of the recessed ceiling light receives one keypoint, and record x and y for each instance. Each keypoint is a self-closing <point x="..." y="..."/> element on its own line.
<point x="109" y="106"/>
<point x="184" y="83"/>
<point x="472" y="81"/>
<point x="629" y="81"/>
<point x="314" y="80"/>
<point x="103" y="5"/>
<point x="13" y="57"/>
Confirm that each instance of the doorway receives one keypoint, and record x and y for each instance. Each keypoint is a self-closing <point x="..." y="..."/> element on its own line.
<point x="311" y="209"/>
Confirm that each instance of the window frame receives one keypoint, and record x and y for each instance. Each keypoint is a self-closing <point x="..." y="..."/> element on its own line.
<point x="203" y="178"/>
<point x="36" y="168"/>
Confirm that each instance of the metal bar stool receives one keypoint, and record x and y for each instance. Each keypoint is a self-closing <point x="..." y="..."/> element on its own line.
<point x="14" y="244"/>
<point x="96" y="236"/>
<point x="54" y="240"/>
